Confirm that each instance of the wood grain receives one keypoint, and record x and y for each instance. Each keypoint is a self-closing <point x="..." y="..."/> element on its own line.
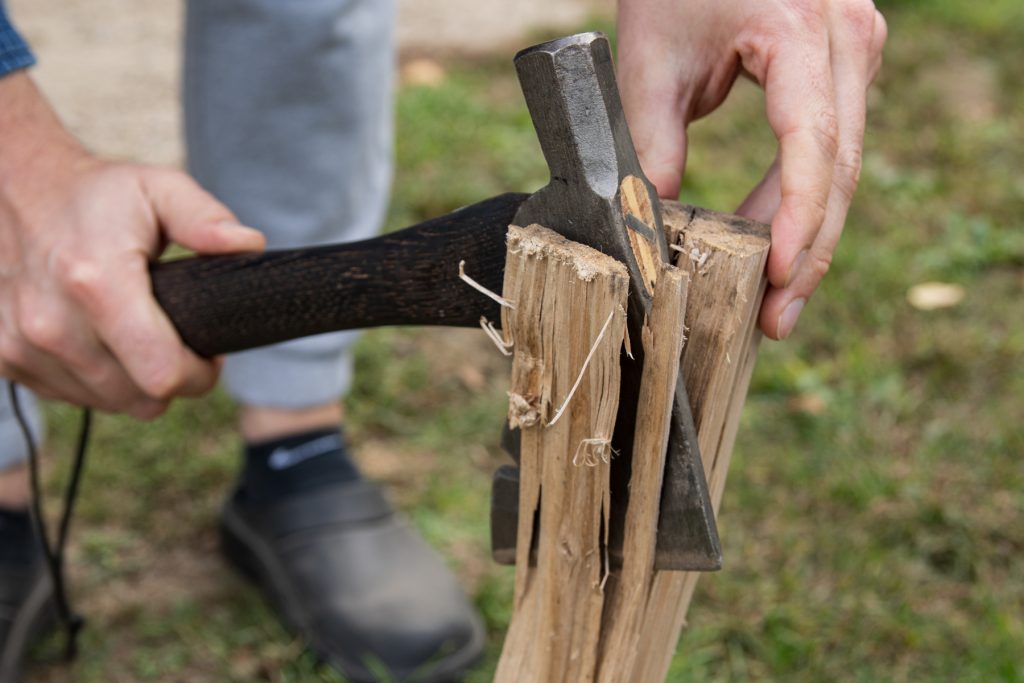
<point x="575" y="617"/>
<point x="627" y="590"/>
<point x="726" y="257"/>
<point x="566" y="329"/>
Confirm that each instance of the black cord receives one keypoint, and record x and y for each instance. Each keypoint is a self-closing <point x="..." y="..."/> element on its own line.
<point x="54" y="555"/>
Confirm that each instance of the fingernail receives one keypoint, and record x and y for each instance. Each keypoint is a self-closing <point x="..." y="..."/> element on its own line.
<point x="787" y="321"/>
<point x="795" y="268"/>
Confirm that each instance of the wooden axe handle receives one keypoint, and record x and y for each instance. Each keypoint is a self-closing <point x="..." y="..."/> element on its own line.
<point x="221" y="304"/>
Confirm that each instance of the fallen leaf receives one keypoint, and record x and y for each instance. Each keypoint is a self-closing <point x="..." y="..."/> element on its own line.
<point x="929" y="296"/>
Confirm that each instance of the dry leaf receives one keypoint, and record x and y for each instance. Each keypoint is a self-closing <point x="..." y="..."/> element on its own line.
<point x="929" y="296"/>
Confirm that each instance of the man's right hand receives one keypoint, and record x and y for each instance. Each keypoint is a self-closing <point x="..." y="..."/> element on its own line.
<point x="78" y="321"/>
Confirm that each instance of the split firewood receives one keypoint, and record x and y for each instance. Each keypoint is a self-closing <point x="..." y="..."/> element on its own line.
<point x="565" y="324"/>
<point x="726" y="258"/>
<point x="576" y="619"/>
<point x="626" y="598"/>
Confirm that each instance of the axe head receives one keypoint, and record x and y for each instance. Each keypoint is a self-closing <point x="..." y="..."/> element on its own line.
<point x="599" y="196"/>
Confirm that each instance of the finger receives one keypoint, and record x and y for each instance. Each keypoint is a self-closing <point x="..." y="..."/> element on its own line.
<point x="800" y="102"/>
<point x="761" y="205"/>
<point x="879" y="34"/>
<point x="131" y="324"/>
<point x="41" y="390"/>
<point x="850" y="50"/>
<point x="663" y="160"/>
<point x="657" y="124"/>
<point x="45" y="379"/>
<point x="763" y="201"/>
<point x="193" y="218"/>
<point x="92" y="364"/>
<point x="58" y="356"/>
<point x="44" y="374"/>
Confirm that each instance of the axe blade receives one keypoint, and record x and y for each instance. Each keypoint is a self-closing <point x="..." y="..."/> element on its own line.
<point x="599" y="196"/>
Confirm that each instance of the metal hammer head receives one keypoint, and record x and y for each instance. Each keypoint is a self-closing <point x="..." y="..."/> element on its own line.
<point x="599" y="196"/>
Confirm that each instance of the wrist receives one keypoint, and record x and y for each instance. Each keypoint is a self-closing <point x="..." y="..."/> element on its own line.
<point x="33" y="142"/>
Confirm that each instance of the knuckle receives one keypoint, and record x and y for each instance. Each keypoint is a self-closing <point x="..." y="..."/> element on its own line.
<point x="84" y="281"/>
<point x="848" y="166"/>
<point x="808" y="13"/>
<point x="818" y="263"/>
<point x="163" y="382"/>
<point x="105" y="379"/>
<point x="43" y="331"/>
<point x="879" y="33"/>
<point x="826" y="131"/>
<point x="812" y="204"/>
<point x="859" y="16"/>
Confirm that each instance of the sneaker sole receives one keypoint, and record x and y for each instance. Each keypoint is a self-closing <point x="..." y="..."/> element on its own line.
<point x="254" y="559"/>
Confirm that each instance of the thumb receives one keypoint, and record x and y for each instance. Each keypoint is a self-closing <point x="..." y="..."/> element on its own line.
<point x="655" y="113"/>
<point x="658" y="128"/>
<point x="192" y="217"/>
<point x="764" y="200"/>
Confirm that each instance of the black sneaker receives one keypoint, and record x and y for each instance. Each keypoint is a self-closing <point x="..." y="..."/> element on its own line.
<point x="26" y="613"/>
<point x="349" y="576"/>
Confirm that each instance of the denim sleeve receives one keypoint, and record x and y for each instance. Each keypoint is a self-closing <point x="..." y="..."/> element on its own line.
<point x="14" y="52"/>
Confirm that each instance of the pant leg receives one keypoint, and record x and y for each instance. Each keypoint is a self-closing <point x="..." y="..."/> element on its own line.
<point x="13" y="449"/>
<point x="288" y="120"/>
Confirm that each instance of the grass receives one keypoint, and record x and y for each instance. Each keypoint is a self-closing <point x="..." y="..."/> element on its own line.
<point x="874" y="520"/>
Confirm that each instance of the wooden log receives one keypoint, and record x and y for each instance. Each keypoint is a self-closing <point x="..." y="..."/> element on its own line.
<point x="726" y="257"/>
<point x="626" y="599"/>
<point x="565" y="326"/>
<point x="573" y="620"/>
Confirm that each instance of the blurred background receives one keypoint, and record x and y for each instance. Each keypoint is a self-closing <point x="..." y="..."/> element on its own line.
<point x="874" y="520"/>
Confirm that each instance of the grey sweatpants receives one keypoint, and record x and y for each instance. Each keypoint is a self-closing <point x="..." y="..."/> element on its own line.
<point x="288" y="120"/>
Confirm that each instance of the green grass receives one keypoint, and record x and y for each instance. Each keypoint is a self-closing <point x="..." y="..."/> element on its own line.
<point x="874" y="520"/>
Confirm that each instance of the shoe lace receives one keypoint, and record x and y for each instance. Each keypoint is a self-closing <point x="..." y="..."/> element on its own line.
<point x="54" y="553"/>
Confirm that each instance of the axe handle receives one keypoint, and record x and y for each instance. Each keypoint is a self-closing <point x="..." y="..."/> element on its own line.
<point x="221" y="304"/>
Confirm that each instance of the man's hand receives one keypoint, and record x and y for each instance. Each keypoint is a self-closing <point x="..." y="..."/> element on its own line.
<point x="815" y="59"/>
<point x="77" y="317"/>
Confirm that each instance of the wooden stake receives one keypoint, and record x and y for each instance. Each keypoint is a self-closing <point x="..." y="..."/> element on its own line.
<point x="726" y="258"/>
<point x="566" y="330"/>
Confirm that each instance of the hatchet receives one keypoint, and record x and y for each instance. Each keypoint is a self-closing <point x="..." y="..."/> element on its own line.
<point x="597" y="195"/>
